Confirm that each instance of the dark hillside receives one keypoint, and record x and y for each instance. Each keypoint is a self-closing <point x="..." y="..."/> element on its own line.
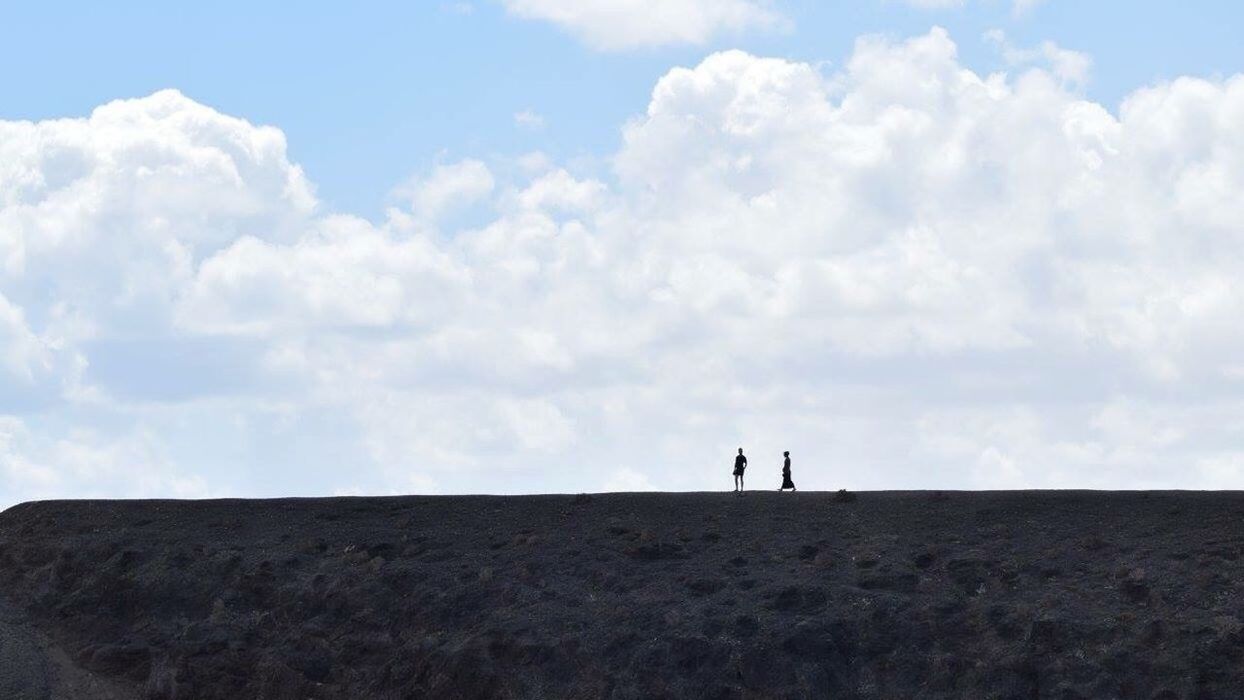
<point x="890" y="595"/>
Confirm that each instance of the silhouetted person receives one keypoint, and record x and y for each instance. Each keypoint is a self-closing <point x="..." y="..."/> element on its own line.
<point x="786" y="482"/>
<point x="740" y="464"/>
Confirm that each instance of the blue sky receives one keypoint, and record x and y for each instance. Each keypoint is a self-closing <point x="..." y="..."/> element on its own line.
<point x="371" y="93"/>
<point x="583" y="245"/>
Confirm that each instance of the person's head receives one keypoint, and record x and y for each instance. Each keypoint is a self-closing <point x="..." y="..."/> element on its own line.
<point x="786" y="454"/>
<point x="740" y="450"/>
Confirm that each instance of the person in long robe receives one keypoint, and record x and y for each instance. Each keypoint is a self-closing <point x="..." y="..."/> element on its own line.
<point x="786" y="482"/>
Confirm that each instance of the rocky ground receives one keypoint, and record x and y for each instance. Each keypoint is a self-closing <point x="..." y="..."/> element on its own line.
<point x="880" y="595"/>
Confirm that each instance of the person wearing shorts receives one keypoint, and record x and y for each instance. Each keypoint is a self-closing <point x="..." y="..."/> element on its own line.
<point x="740" y="465"/>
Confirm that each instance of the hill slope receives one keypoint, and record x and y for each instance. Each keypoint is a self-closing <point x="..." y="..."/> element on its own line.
<point x="1006" y="595"/>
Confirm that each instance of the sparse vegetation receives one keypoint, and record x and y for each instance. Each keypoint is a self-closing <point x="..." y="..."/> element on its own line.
<point x="634" y="595"/>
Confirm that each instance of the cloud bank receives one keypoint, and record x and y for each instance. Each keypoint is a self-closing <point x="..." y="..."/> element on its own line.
<point x="907" y="273"/>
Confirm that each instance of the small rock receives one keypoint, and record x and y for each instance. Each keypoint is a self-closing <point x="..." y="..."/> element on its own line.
<point x="132" y="661"/>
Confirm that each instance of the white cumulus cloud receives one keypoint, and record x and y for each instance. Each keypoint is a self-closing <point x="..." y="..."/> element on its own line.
<point x="1018" y="7"/>
<point x="529" y="119"/>
<point x="1072" y="67"/>
<point x="624" y="24"/>
<point x="447" y="188"/>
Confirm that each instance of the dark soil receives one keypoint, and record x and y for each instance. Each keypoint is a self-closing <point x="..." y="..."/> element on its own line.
<point x="887" y="595"/>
